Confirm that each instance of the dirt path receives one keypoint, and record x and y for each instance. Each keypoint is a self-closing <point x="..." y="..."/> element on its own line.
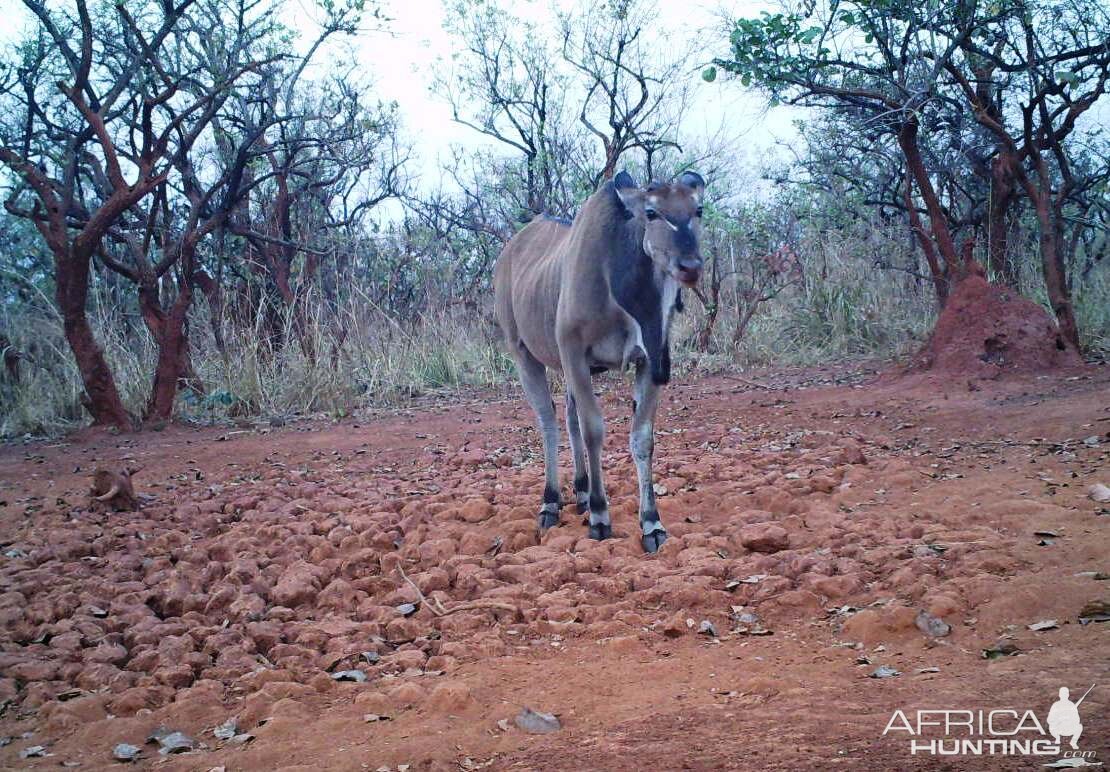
<point x="269" y="560"/>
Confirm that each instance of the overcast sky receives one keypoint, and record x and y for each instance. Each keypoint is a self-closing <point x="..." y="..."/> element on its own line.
<point x="404" y="57"/>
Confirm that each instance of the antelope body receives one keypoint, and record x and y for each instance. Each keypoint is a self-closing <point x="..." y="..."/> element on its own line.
<point x="594" y="295"/>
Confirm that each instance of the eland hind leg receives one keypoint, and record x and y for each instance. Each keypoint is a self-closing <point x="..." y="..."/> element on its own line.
<point x="578" y="453"/>
<point x="580" y="386"/>
<point x="641" y="441"/>
<point x="533" y="376"/>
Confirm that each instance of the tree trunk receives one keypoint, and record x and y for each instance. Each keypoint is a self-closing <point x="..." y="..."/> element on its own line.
<point x="1052" y="254"/>
<point x="1055" y="275"/>
<point x="1003" y="195"/>
<point x="213" y="292"/>
<point x="169" y="329"/>
<point x="936" y="270"/>
<point x="907" y="141"/>
<point x="11" y="357"/>
<point x="712" y="307"/>
<point x="173" y="358"/>
<point x="743" y="320"/>
<point x="101" y="398"/>
<point x="705" y="334"/>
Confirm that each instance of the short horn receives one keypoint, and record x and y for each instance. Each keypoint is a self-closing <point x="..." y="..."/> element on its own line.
<point x="111" y="494"/>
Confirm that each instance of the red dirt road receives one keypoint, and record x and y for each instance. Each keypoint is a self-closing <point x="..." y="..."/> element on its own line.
<point x="266" y="561"/>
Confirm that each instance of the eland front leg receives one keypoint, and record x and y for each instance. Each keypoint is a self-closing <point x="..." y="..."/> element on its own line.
<point x="533" y="376"/>
<point x="641" y="441"/>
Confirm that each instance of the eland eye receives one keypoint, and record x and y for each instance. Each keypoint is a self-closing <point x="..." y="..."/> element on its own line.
<point x="697" y="212"/>
<point x="651" y="214"/>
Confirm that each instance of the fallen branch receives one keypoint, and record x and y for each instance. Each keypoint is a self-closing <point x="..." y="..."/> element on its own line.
<point x="753" y="384"/>
<point x="470" y="605"/>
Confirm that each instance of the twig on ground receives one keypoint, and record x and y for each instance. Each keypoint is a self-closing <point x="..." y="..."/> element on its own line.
<point x="470" y="605"/>
<point x="754" y="384"/>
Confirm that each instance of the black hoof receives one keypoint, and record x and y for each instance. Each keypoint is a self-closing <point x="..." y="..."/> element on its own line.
<point x="601" y="531"/>
<point x="548" y="520"/>
<point x="583" y="507"/>
<point x="653" y="541"/>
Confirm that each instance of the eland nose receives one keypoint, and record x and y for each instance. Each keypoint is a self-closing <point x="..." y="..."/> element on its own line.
<point x="689" y="269"/>
<point x="690" y="262"/>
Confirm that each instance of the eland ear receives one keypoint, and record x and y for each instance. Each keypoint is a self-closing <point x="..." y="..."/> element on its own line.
<point x="694" y="181"/>
<point x="623" y="180"/>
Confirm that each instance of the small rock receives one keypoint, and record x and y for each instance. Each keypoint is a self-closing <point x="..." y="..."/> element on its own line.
<point x="503" y="724"/>
<point x="371" y="657"/>
<point x="1044" y="624"/>
<point x="34" y="752"/>
<point x="157" y="735"/>
<point x="175" y="742"/>
<point x="373" y="717"/>
<point x="675" y="626"/>
<point x="537" y="723"/>
<point x="747" y="623"/>
<point x="350" y="675"/>
<point x="932" y="626"/>
<point x="1095" y="611"/>
<point x="226" y="730"/>
<point x="126" y="752"/>
<point x="1000" y="649"/>
<point x="732" y="584"/>
<point x="1074" y="762"/>
<point x="706" y="628"/>
<point x="884" y="671"/>
<point x="242" y="739"/>
<point x="1100" y="493"/>
<point x="406" y="609"/>
<point x="764" y="537"/>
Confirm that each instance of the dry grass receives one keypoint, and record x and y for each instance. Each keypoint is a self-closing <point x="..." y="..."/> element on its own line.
<point x="844" y="308"/>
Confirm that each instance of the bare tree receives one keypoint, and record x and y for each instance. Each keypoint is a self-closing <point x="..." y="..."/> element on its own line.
<point x="634" y="95"/>
<point x="505" y="85"/>
<point x="1036" y="43"/>
<point x="329" y="160"/>
<point x="86" y="147"/>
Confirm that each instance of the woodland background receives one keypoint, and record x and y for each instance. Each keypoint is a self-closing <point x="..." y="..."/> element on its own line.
<point x="198" y="225"/>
